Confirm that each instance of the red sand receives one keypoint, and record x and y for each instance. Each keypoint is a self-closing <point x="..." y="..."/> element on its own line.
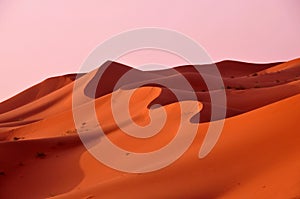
<point x="257" y="155"/>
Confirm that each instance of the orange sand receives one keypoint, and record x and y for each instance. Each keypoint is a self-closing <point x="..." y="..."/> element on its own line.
<point x="257" y="155"/>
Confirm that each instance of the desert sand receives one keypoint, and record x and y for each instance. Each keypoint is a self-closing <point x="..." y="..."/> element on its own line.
<point x="256" y="156"/>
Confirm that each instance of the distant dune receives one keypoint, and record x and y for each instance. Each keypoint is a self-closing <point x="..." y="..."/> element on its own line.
<point x="257" y="155"/>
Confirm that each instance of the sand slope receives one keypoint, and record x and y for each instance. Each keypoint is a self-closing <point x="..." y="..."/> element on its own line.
<point x="257" y="155"/>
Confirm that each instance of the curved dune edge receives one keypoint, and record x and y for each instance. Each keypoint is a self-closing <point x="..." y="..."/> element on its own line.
<point x="247" y="162"/>
<point x="256" y="156"/>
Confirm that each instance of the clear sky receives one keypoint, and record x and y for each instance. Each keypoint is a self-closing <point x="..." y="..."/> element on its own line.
<point x="40" y="39"/>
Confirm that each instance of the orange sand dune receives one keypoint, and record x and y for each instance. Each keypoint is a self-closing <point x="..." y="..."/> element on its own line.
<point x="257" y="155"/>
<point x="36" y="92"/>
<point x="283" y="67"/>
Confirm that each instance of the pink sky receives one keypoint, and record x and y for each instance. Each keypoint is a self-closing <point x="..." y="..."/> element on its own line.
<point x="40" y="39"/>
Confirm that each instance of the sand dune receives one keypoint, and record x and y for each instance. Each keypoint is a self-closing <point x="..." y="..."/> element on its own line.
<point x="36" y="92"/>
<point x="257" y="155"/>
